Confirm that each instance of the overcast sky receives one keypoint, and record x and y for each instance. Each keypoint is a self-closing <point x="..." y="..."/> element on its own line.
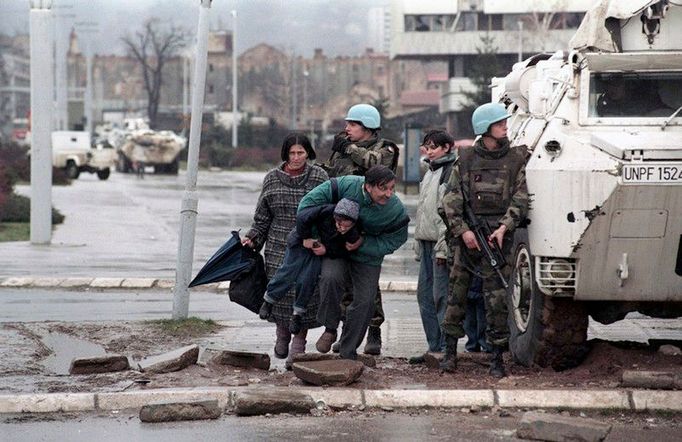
<point x="337" y="26"/>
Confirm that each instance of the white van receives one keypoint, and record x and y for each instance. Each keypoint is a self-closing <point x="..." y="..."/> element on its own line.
<point x="72" y="151"/>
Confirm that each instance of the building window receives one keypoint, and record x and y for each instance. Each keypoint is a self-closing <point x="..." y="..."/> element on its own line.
<point x="429" y="23"/>
<point x="210" y="88"/>
<point x="210" y="67"/>
<point x="468" y="21"/>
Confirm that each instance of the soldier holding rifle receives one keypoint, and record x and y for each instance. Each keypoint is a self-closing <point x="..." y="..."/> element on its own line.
<point x="487" y="189"/>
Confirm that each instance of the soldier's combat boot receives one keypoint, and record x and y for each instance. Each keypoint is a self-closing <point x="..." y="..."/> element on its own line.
<point x="449" y="362"/>
<point x="497" y="363"/>
<point x="373" y="344"/>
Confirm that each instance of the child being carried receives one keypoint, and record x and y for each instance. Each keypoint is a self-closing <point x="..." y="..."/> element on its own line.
<point x="335" y="226"/>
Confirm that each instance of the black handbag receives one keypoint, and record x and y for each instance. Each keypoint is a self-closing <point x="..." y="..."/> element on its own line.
<point x="248" y="286"/>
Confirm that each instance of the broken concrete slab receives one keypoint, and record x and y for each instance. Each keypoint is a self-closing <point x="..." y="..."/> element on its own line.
<point x="273" y="401"/>
<point x="242" y="359"/>
<point x="99" y="364"/>
<point x="368" y="360"/>
<point x="172" y="361"/>
<point x="433" y="359"/>
<point x="669" y="350"/>
<point x="180" y="411"/>
<point x="331" y="372"/>
<point x="554" y="427"/>
<point x="165" y="283"/>
<point x="660" y="380"/>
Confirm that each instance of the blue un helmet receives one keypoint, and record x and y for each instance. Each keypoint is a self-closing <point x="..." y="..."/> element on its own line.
<point x="487" y="114"/>
<point x="366" y="114"/>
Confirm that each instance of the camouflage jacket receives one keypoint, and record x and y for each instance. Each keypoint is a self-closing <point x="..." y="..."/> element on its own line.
<point x="494" y="181"/>
<point x="361" y="156"/>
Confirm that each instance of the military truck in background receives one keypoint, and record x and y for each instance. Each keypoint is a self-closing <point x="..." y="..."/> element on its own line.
<point x="139" y="146"/>
<point x="603" y="124"/>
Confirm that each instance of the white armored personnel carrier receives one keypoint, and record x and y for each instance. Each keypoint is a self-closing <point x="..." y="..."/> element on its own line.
<point x="604" y="124"/>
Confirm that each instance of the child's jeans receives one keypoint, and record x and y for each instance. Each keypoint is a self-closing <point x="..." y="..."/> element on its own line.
<point x="300" y="268"/>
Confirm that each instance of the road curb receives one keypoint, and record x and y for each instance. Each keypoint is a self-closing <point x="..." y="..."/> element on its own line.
<point x="642" y="400"/>
<point x="121" y="283"/>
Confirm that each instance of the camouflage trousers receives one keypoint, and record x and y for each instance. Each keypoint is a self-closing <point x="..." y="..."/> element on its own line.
<point x="494" y="295"/>
<point x="377" y="318"/>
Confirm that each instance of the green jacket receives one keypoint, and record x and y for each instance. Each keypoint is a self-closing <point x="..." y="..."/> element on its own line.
<point x="384" y="228"/>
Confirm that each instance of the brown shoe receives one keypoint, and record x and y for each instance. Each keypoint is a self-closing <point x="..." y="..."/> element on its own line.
<point x="324" y="344"/>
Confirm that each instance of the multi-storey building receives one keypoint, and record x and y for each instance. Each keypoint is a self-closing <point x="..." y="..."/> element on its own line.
<point x="15" y="75"/>
<point x="453" y="32"/>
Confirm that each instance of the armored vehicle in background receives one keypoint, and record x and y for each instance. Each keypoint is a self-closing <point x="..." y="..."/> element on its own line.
<point x="139" y="146"/>
<point x="603" y="125"/>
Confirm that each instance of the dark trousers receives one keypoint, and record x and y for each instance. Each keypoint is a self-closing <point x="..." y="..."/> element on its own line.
<point x="363" y="280"/>
<point x="474" y="318"/>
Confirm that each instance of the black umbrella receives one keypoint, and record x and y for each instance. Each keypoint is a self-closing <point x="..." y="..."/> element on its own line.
<point x="229" y="261"/>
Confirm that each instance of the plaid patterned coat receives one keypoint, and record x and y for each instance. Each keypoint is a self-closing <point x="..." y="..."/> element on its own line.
<point x="275" y="217"/>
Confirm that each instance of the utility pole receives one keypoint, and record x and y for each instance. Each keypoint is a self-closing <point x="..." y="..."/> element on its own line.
<point x="294" y="94"/>
<point x="235" y="104"/>
<point x="42" y="94"/>
<point x="520" y="25"/>
<point x="190" y="200"/>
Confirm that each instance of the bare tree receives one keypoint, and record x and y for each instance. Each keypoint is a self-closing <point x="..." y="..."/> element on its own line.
<point x="152" y="48"/>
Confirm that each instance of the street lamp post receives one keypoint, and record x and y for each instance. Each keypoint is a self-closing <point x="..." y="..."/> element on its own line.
<point x="235" y="107"/>
<point x="42" y="91"/>
<point x="190" y="200"/>
<point x="520" y="25"/>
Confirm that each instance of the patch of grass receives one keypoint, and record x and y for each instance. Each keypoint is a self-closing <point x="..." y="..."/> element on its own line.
<point x="14" y="232"/>
<point x="190" y="327"/>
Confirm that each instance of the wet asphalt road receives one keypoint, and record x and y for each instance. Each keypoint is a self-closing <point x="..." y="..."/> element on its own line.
<point x="356" y="426"/>
<point x="128" y="227"/>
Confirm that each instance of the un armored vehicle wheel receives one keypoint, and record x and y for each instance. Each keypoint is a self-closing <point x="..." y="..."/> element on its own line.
<point x="544" y="330"/>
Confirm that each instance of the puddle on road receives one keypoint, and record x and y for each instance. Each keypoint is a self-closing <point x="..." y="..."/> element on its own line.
<point x="65" y="348"/>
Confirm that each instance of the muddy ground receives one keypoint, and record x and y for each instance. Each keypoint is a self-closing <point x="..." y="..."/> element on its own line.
<point x="27" y="364"/>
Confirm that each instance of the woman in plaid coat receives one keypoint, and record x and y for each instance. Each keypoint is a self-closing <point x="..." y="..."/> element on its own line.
<point x="275" y="217"/>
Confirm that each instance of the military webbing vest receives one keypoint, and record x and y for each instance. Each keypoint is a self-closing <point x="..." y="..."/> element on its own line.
<point x="490" y="184"/>
<point x="341" y="164"/>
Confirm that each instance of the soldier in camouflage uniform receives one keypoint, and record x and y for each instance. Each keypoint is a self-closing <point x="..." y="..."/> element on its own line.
<point x="354" y="152"/>
<point x="492" y="177"/>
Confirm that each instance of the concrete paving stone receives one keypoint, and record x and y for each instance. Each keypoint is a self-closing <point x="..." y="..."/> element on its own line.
<point x="383" y="285"/>
<point x="272" y="401"/>
<point x="663" y="380"/>
<point x="224" y="285"/>
<point x="17" y="282"/>
<point x="335" y="397"/>
<point x="657" y="400"/>
<point x="75" y="282"/>
<point x="591" y="399"/>
<point x="100" y="364"/>
<point x="180" y="411"/>
<point x="402" y="286"/>
<point x="329" y="372"/>
<point x="165" y="283"/>
<point x="242" y="359"/>
<point x="47" y="282"/>
<point x="138" y="283"/>
<point x="136" y="399"/>
<point x="554" y="427"/>
<point x="368" y="360"/>
<point x="429" y="398"/>
<point x="170" y="361"/>
<point x="106" y="283"/>
<point x="670" y="350"/>
<point x="46" y="403"/>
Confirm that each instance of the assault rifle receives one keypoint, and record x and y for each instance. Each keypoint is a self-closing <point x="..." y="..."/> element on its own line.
<point x="482" y="231"/>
